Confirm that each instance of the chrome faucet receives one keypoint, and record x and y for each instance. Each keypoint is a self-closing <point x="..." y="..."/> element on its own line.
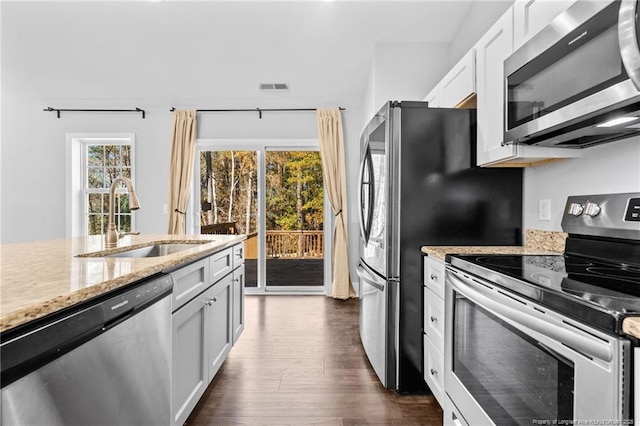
<point x="112" y="236"/>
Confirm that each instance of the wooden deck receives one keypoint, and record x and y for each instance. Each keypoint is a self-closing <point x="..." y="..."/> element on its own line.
<point x="287" y="272"/>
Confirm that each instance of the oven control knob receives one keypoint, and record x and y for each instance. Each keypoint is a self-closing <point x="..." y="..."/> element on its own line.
<point x="575" y="209"/>
<point x="591" y="209"/>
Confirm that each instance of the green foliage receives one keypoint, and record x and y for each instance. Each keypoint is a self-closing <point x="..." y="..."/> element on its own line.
<point x="294" y="189"/>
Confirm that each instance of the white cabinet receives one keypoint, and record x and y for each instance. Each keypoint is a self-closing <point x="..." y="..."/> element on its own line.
<point x="530" y="16"/>
<point x="434" y="97"/>
<point x="433" y="326"/>
<point x="459" y="85"/>
<point x="238" y="302"/>
<point x="207" y="320"/>
<point x="491" y="51"/>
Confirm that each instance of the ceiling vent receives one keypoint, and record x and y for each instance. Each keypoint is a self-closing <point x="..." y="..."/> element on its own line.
<point x="274" y="87"/>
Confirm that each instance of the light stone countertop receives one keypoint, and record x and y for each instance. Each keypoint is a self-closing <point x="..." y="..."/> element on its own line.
<point x="42" y="277"/>
<point x="536" y="242"/>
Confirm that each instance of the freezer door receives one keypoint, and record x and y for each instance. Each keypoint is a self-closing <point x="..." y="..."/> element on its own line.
<point x="375" y="319"/>
<point x="373" y="193"/>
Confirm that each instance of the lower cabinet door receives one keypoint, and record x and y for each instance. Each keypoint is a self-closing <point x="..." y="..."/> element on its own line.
<point x="219" y="338"/>
<point x="189" y="372"/>
<point x="238" y="303"/>
<point x="434" y="369"/>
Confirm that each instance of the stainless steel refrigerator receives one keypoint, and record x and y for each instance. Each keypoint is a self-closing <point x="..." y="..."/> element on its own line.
<point x="419" y="186"/>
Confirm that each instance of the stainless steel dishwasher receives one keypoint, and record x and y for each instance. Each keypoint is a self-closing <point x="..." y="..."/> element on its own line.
<point x="106" y="362"/>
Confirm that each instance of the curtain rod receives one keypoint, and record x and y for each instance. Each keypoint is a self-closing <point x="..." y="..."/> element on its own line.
<point x="58" y="110"/>
<point x="258" y="110"/>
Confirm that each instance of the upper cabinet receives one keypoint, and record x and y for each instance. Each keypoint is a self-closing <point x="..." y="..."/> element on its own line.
<point x="491" y="51"/>
<point x="530" y="16"/>
<point x="457" y="88"/>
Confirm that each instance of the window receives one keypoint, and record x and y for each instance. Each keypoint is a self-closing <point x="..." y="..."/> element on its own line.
<point x="96" y="161"/>
<point x="104" y="163"/>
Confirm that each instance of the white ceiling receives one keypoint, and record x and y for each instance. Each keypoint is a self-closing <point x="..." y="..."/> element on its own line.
<point x="188" y="52"/>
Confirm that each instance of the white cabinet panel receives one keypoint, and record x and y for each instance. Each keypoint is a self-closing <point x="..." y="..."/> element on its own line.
<point x="491" y="51"/>
<point x="433" y="370"/>
<point x="219" y="333"/>
<point x="189" y="365"/>
<point x="238" y="302"/>
<point x="530" y="16"/>
<point x="434" y="275"/>
<point x="434" y="97"/>
<point x="460" y="83"/>
<point x="189" y="281"/>
<point x="434" y="319"/>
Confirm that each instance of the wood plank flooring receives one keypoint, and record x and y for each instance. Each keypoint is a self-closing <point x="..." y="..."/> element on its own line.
<point x="300" y="362"/>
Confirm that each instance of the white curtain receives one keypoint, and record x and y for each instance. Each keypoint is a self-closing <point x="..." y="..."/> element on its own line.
<point x="183" y="146"/>
<point x="333" y="170"/>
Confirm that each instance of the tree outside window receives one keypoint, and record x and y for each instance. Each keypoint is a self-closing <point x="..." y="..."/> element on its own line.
<point x="105" y="162"/>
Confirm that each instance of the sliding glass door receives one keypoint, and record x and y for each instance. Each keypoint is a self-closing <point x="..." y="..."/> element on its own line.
<point x="274" y="194"/>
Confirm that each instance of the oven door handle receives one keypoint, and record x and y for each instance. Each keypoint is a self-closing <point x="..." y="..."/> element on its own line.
<point x="484" y="297"/>
<point x="628" y="40"/>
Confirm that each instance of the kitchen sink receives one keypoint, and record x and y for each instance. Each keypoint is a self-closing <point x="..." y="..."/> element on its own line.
<point x="151" y="250"/>
<point x="155" y="250"/>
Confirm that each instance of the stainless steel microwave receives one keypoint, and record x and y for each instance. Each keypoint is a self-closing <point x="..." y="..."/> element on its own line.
<point x="576" y="83"/>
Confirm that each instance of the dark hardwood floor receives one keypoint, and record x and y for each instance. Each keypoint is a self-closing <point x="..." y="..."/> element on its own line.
<point x="300" y="362"/>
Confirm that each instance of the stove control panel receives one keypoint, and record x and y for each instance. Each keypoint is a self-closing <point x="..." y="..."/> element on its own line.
<point x="603" y="215"/>
<point x="633" y="210"/>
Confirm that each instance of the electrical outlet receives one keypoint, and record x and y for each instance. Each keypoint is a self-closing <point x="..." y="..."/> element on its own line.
<point x="544" y="209"/>
<point x="165" y="208"/>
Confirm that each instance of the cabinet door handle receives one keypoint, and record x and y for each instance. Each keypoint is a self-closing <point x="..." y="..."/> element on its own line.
<point x="434" y="372"/>
<point x="434" y="319"/>
<point x="434" y="277"/>
<point x="208" y="303"/>
<point x="236" y="280"/>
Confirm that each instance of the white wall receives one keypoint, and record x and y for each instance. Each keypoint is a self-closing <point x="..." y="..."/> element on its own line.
<point x="479" y="18"/>
<point x="602" y="169"/>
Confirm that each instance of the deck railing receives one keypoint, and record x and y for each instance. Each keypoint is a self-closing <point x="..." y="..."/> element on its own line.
<point x="288" y="244"/>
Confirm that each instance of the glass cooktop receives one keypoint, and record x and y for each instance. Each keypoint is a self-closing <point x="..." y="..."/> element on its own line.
<point x="597" y="292"/>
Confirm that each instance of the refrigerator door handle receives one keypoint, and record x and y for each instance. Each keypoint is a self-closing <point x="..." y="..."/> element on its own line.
<point x="365" y="222"/>
<point x="369" y="278"/>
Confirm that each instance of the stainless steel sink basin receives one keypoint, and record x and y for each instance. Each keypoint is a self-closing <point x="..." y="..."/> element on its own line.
<point x="155" y="250"/>
<point x="152" y="249"/>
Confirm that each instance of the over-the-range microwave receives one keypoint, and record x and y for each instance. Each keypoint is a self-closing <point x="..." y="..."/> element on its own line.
<point x="576" y="83"/>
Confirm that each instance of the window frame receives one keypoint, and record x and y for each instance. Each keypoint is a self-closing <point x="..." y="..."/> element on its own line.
<point x="77" y="174"/>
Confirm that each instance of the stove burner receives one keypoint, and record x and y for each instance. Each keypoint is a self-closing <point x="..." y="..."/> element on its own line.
<point x="508" y="262"/>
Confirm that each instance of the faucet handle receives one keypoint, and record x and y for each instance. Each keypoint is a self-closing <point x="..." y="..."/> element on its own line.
<point x="121" y="234"/>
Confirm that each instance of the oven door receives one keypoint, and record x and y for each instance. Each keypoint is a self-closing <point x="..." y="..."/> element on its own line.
<point x="373" y="193"/>
<point x="510" y="361"/>
<point x="564" y="83"/>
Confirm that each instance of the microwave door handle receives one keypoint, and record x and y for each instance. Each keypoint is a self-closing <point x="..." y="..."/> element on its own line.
<point x="628" y="40"/>
<point x="370" y="279"/>
<point x="482" y="297"/>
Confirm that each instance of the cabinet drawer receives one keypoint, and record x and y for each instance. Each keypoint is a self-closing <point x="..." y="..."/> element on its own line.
<point x="434" y="318"/>
<point x="189" y="281"/>
<point x="434" y="370"/>
<point x="221" y="264"/>
<point x="434" y="275"/>
<point x="238" y="255"/>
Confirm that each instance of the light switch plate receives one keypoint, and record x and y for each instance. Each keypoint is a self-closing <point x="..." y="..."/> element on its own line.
<point x="544" y="209"/>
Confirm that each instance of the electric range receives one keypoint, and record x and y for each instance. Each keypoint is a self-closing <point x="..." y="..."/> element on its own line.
<point x="596" y="280"/>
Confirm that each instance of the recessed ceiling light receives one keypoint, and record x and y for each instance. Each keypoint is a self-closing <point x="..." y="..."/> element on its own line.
<point x="617" y="121"/>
